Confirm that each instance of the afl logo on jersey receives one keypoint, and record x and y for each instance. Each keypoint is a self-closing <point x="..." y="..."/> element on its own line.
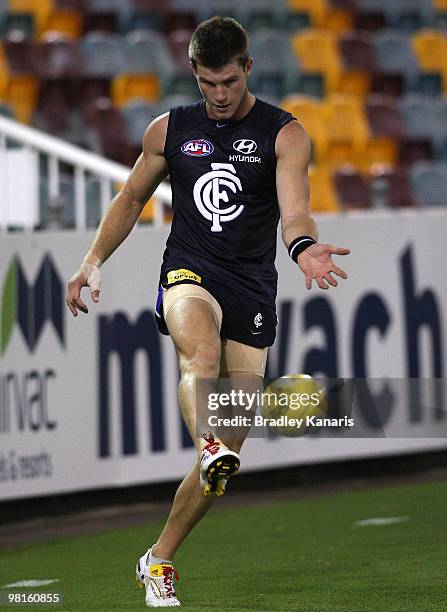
<point x="198" y="148"/>
<point x="245" y="146"/>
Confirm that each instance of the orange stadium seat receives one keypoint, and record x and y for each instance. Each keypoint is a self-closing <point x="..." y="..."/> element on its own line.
<point x="3" y="71"/>
<point x="127" y="87"/>
<point x="323" y="197"/>
<point x="440" y="5"/>
<point x="317" y="51"/>
<point x="339" y="16"/>
<point x="69" y="23"/>
<point x="41" y="9"/>
<point x="346" y="130"/>
<point x="430" y="48"/>
<point x="21" y="94"/>
<point x="308" y="112"/>
<point x="317" y="9"/>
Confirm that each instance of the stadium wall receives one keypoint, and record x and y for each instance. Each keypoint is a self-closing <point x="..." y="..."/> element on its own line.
<point x="91" y="402"/>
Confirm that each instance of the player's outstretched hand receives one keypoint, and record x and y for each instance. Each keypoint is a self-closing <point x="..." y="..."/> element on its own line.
<point x="88" y="275"/>
<point x="316" y="264"/>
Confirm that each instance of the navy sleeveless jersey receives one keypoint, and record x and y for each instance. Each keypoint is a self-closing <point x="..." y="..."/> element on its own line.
<point x="223" y="179"/>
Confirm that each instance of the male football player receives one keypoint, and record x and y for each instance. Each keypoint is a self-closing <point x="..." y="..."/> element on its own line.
<point x="237" y="166"/>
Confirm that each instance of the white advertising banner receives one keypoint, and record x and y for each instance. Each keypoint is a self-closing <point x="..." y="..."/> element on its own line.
<point x="91" y="402"/>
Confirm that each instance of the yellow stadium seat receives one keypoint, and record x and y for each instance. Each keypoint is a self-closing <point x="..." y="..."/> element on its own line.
<point x="68" y="23"/>
<point x="323" y="197"/>
<point x="308" y="112"/>
<point x="430" y="48"/>
<point x="127" y="87"/>
<point x="21" y="94"/>
<point x="317" y="9"/>
<point x="346" y="129"/>
<point x="354" y="83"/>
<point x="440" y="5"/>
<point x="4" y="73"/>
<point x="380" y="150"/>
<point x="338" y="20"/>
<point x="41" y="9"/>
<point x="317" y="51"/>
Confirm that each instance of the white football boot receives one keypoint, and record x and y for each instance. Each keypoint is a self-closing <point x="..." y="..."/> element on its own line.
<point x="158" y="580"/>
<point x="217" y="464"/>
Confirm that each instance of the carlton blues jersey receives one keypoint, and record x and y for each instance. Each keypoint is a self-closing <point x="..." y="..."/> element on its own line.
<point x="225" y="208"/>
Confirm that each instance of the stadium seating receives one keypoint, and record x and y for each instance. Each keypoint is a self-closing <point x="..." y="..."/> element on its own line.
<point x="127" y="87"/>
<point x="6" y="111"/>
<point x="323" y="196"/>
<point x="386" y="128"/>
<point x="21" y="54"/>
<point x="103" y="54"/>
<point x="60" y="57"/>
<point x="64" y="21"/>
<point x="276" y="70"/>
<point x="429" y="182"/>
<point x="367" y="79"/>
<point x="352" y="188"/>
<point x="395" y="55"/>
<point x="317" y="10"/>
<point x="309" y="112"/>
<point x="430" y="48"/>
<point x="174" y="100"/>
<point x="390" y="187"/>
<point x="409" y="15"/>
<point x="40" y="10"/>
<point x="137" y="116"/>
<point x="346" y="130"/>
<point x="148" y="52"/>
<point x="422" y="120"/>
<point x="109" y="128"/>
<point x="359" y="62"/>
<point x="178" y="45"/>
<point x="262" y="14"/>
<point x="317" y="51"/>
<point x="17" y="22"/>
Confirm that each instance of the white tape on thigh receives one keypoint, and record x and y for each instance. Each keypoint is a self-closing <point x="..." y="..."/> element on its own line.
<point x="174" y="294"/>
<point x="238" y="357"/>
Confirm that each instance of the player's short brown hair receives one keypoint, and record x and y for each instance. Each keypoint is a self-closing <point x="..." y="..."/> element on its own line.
<point x="218" y="41"/>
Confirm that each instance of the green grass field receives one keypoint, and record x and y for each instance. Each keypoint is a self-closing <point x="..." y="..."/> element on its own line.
<point x="301" y="555"/>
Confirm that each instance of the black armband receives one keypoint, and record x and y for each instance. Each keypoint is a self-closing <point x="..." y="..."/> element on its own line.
<point x="299" y="245"/>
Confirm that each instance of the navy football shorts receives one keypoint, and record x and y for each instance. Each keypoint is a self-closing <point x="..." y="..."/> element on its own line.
<point x="244" y="320"/>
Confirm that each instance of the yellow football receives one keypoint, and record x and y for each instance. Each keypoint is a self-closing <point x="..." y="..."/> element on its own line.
<point x="290" y="401"/>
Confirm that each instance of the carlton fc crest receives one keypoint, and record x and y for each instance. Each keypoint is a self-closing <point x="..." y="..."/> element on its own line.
<point x="214" y="187"/>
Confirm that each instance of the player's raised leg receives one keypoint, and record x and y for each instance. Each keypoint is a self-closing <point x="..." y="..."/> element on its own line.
<point x="194" y="324"/>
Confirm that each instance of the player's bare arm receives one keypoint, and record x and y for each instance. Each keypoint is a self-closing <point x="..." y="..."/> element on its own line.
<point x="119" y="219"/>
<point x="298" y="228"/>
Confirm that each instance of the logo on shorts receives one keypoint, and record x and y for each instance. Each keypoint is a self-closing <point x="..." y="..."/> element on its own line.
<point x="174" y="276"/>
<point x="213" y="188"/>
<point x="198" y="148"/>
<point x="245" y="146"/>
<point x="258" y="320"/>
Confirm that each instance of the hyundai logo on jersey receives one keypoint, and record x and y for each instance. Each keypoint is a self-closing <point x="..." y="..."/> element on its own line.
<point x="198" y="148"/>
<point x="245" y="146"/>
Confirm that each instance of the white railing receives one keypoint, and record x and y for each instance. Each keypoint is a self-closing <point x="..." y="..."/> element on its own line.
<point x="82" y="161"/>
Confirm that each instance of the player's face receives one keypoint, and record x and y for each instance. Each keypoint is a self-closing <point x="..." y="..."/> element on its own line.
<point x="225" y="90"/>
